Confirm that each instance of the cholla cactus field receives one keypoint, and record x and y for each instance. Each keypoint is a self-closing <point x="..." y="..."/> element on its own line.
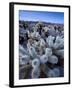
<point x="41" y="50"/>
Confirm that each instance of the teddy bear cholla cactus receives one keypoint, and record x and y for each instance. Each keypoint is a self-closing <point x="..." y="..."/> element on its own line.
<point x="36" y="70"/>
<point x="53" y="73"/>
<point x="41" y="52"/>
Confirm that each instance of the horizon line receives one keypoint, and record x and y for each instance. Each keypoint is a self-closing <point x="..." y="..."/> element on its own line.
<point x="42" y="21"/>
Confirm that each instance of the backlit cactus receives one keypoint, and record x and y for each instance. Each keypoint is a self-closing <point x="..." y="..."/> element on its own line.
<point x="42" y="52"/>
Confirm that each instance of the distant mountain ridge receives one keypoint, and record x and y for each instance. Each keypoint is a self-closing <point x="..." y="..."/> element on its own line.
<point x="46" y="23"/>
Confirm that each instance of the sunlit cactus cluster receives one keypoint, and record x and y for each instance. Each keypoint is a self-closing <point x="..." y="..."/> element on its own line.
<point x="41" y="50"/>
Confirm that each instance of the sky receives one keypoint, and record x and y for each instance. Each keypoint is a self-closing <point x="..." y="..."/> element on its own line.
<point x="52" y="17"/>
